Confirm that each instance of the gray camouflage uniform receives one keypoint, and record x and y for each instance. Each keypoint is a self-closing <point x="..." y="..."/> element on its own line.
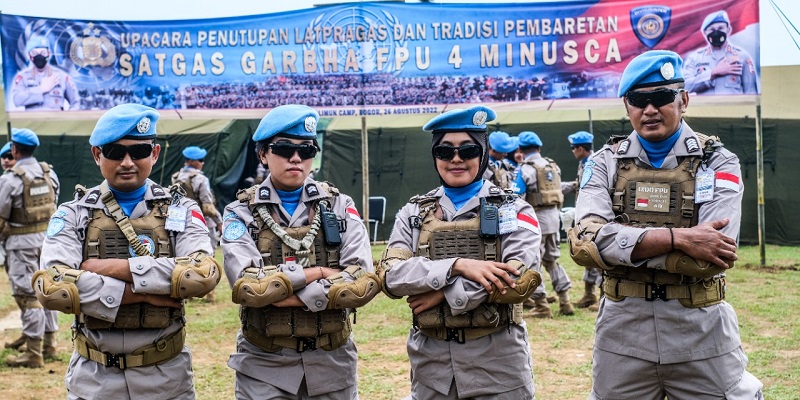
<point x="639" y="345"/>
<point x="101" y="297"/>
<point x="288" y="373"/>
<point x="202" y="189"/>
<point x="497" y="366"/>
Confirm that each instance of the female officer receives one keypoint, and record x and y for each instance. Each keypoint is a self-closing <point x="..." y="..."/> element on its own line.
<point x="298" y="258"/>
<point x="466" y="255"/>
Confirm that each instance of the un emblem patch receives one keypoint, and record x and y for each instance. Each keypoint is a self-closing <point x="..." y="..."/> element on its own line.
<point x="650" y="23"/>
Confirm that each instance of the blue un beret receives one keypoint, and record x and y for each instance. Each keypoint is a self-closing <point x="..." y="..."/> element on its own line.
<point x="125" y="121"/>
<point x="580" y="137"/>
<point x="651" y="68"/>
<point x="716" y="16"/>
<point x="25" y="137"/>
<point x="472" y="119"/>
<point x="529" y="138"/>
<point x="501" y="142"/>
<point x="194" y="153"/>
<point x="6" y="148"/>
<point x="35" y="42"/>
<point x="291" y="120"/>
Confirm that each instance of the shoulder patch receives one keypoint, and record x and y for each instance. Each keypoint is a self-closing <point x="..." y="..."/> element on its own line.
<point x="157" y="191"/>
<point x="229" y="216"/>
<point x="623" y="146"/>
<point x="586" y="176"/>
<point x="55" y="226"/>
<point x="691" y="144"/>
<point x="92" y="197"/>
<point x="59" y="214"/>
<point x="263" y="193"/>
<point x="311" y="190"/>
<point x="234" y="230"/>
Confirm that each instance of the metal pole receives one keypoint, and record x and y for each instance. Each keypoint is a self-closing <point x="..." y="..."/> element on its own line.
<point x="365" y="173"/>
<point x="591" y="129"/>
<point x="760" y="183"/>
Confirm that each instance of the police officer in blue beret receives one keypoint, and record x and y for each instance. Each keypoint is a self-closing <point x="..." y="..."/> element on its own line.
<point x="664" y="328"/>
<point x="122" y="257"/>
<point x="28" y="195"/>
<point x="466" y="255"/>
<point x="6" y="157"/>
<point x="541" y="178"/>
<point x="42" y="86"/>
<point x="498" y="171"/>
<point x="720" y="67"/>
<point x="296" y="250"/>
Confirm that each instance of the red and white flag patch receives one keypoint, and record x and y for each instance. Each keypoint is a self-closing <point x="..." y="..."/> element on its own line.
<point x="641" y="202"/>
<point x="727" y="180"/>
<point x="528" y="222"/>
<point x="353" y="213"/>
<point x="199" y="220"/>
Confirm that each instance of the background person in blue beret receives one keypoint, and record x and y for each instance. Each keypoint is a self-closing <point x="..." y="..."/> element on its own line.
<point x="122" y="257"/>
<point x="7" y="162"/>
<point x="28" y="193"/>
<point x="720" y="67"/>
<point x="498" y="171"/>
<point x="664" y="328"/>
<point x="42" y="86"/>
<point x="541" y="178"/>
<point x="466" y="256"/>
<point x="296" y="250"/>
<point x="582" y="149"/>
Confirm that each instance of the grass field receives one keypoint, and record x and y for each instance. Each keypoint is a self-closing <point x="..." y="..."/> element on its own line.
<point x="764" y="298"/>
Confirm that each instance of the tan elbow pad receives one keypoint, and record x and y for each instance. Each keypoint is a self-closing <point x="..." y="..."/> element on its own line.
<point x="679" y="262"/>
<point x="251" y="291"/>
<point x="56" y="290"/>
<point x="353" y="294"/>
<point x="584" y="251"/>
<point x="209" y="210"/>
<point x="194" y="276"/>
<point x="526" y="284"/>
<point x="391" y="256"/>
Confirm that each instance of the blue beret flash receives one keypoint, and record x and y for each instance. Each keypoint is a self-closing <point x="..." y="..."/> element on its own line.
<point x="194" y="153"/>
<point x="473" y="118"/>
<point x="529" y="138"/>
<point x="501" y="142"/>
<point x="125" y="121"/>
<point x="580" y="137"/>
<point x="291" y="120"/>
<point x="6" y="148"/>
<point x="651" y="68"/>
<point x="25" y="137"/>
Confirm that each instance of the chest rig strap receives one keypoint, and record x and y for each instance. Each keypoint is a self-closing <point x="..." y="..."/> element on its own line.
<point x="302" y="247"/>
<point x="124" y="223"/>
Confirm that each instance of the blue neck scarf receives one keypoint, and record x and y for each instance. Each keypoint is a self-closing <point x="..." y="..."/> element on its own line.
<point x="128" y="200"/>
<point x="657" y="151"/>
<point x="290" y="200"/>
<point x="493" y="161"/>
<point x="461" y="195"/>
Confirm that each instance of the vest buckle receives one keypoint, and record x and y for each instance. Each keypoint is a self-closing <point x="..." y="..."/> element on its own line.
<point x="457" y="335"/>
<point x="654" y="291"/>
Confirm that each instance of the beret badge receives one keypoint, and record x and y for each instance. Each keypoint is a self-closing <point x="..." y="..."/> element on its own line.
<point x="144" y="125"/>
<point x="667" y="71"/>
<point x="479" y="118"/>
<point x="310" y="124"/>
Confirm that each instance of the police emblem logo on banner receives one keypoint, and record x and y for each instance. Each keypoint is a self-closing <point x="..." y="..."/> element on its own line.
<point x="93" y="49"/>
<point x="650" y="23"/>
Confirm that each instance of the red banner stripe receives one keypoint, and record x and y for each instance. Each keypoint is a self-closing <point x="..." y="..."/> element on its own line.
<point x="527" y="218"/>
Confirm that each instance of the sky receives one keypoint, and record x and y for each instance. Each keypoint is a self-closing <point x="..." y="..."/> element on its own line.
<point x="777" y="45"/>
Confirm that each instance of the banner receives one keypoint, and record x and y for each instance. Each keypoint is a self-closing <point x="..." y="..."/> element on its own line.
<point x="374" y="58"/>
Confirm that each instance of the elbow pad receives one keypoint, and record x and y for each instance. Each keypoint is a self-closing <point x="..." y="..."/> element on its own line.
<point x="194" y="276"/>
<point x="391" y="256"/>
<point x="584" y="251"/>
<point x="354" y="294"/>
<point x="56" y="290"/>
<point x="679" y="262"/>
<point x="526" y="284"/>
<point x="252" y="291"/>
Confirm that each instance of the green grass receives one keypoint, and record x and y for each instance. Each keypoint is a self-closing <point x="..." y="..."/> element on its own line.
<point x="765" y="300"/>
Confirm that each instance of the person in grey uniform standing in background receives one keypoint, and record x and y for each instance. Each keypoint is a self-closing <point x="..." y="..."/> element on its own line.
<point x="720" y="67"/>
<point x="298" y="260"/>
<point x="467" y="255"/>
<point x="41" y="86"/>
<point x="121" y="257"/>
<point x="664" y="329"/>
<point x="28" y="196"/>
<point x="541" y="178"/>
<point x="582" y="149"/>
<point x="7" y="162"/>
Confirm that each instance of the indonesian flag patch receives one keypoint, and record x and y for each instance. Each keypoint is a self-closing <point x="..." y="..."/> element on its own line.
<point x="199" y="220"/>
<point x="353" y="213"/>
<point x="727" y="180"/>
<point x="528" y="222"/>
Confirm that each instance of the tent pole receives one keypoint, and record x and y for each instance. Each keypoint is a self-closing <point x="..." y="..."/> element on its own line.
<point x="760" y="184"/>
<point x="591" y="129"/>
<point x="365" y="173"/>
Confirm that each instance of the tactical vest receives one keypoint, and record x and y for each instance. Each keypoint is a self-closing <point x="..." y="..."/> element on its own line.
<point x="272" y="328"/>
<point x="501" y="177"/>
<point x="105" y="240"/>
<point x="440" y="240"/>
<point x="186" y="184"/>
<point x="548" y="185"/>
<point x="38" y="199"/>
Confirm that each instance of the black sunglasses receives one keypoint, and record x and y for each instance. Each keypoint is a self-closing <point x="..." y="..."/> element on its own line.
<point x="117" y="152"/>
<point x="8" y="156"/>
<point x="287" y="150"/>
<point x="446" y="152"/>
<point x="658" y="97"/>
